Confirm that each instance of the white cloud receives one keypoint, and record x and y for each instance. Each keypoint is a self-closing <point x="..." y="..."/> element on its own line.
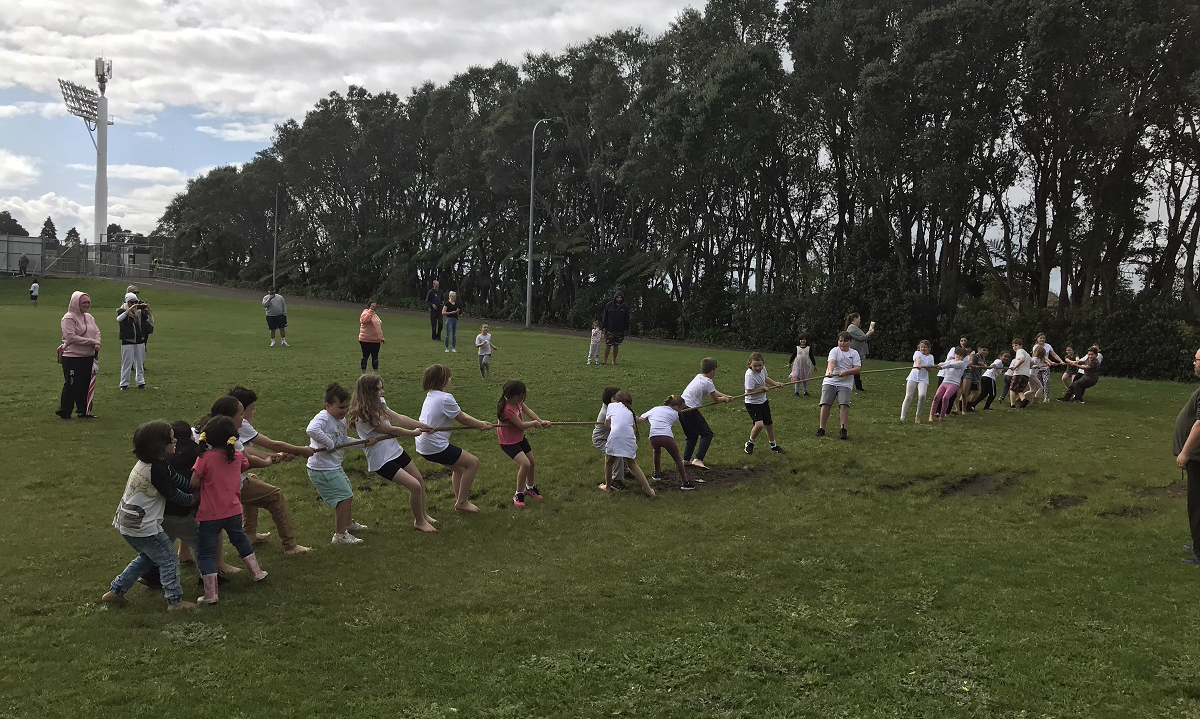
<point x="17" y="172"/>
<point x="65" y="212"/>
<point x="45" y="109"/>
<point x="137" y="173"/>
<point x="149" y="135"/>
<point x="260" y="132"/>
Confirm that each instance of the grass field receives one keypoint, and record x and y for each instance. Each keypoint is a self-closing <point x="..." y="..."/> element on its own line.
<point x="1007" y="564"/>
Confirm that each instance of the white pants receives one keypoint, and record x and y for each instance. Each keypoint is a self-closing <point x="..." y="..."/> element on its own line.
<point x="920" y="389"/>
<point x="133" y="357"/>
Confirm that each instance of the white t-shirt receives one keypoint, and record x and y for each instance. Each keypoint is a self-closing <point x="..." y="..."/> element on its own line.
<point x="950" y="356"/>
<point x="1024" y="370"/>
<point x="486" y="347"/>
<point x="661" y="418"/>
<point x="439" y="410"/>
<point x="622" y="442"/>
<point x="754" y="380"/>
<point x="385" y="450"/>
<point x="140" y="512"/>
<point x="34" y="289"/>
<point x="324" y="432"/>
<point x="996" y="367"/>
<point x="246" y="433"/>
<point x="954" y="370"/>
<point x="842" y="361"/>
<point x="699" y="388"/>
<point x="921" y="376"/>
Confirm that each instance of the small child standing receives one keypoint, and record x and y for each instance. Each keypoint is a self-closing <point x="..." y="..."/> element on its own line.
<point x="139" y="517"/>
<point x="440" y="411"/>
<point x="801" y="364"/>
<point x="757" y="404"/>
<point x="841" y="366"/>
<point x="326" y="431"/>
<point x="613" y="474"/>
<point x="596" y="341"/>
<point x="622" y="436"/>
<point x="699" y="435"/>
<point x="483" y="341"/>
<point x="918" y="380"/>
<point x="661" y="418"/>
<point x="510" y="430"/>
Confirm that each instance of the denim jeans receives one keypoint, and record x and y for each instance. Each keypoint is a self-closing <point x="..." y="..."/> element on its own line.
<point x="157" y="551"/>
<point x="452" y="332"/>
<point x="209" y="534"/>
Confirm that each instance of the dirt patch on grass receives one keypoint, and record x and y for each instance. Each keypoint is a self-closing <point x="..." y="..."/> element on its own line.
<point x="714" y="478"/>
<point x="902" y="484"/>
<point x="1175" y="490"/>
<point x="1127" y="512"/>
<point x="1062" y="501"/>
<point x="980" y="484"/>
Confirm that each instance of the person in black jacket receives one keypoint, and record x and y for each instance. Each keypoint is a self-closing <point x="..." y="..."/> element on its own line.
<point x="136" y="322"/>
<point x="615" y="322"/>
<point x="434" y="301"/>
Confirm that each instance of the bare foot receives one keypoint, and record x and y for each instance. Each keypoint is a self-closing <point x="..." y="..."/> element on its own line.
<point x="651" y="493"/>
<point x="228" y="569"/>
<point x="111" y="597"/>
<point x="429" y="519"/>
<point x="468" y="507"/>
<point x="298" y="549"/>
<point x="423" y="527"/>
<point x="180" y="605"/>
<point x="698" y="464"/>
<point x="603" y="487"/>
<point x="260" y="537"/>
<point x="917" y="420"/>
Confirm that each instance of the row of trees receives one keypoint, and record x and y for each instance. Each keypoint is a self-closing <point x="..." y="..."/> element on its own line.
<point x="49" y="234"/>
<point x="939" y="165"/>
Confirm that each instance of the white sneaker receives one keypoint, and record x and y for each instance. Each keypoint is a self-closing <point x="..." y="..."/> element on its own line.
<point x="447" y="350"/>
<point x="355" y="526"/>
<point x="455" y="351"/>
<point x="345" y="538"/>
<point x="284" y="343"/>
<point x="272" y="343"/>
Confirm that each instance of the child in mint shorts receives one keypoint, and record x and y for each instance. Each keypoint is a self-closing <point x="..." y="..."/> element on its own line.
<point x="325" y="432"/>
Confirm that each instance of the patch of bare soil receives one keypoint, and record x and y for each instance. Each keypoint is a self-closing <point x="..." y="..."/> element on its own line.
<point x="902" y="484"/>
<point x="980" y="484"/>
<point x="1175" y="490"/>
<point x="1127" y="512"/>
<point x="1062" y="501"/>
<point x="714" y="478"/>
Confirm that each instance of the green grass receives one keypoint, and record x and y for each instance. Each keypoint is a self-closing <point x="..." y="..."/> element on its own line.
<point x="844" y="581"/>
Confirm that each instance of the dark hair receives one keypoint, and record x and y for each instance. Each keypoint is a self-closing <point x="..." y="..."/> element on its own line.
<point x="186" y="449"/>
<point x="512" y="389"/>
<point x="845" y="337"/>
<point x="851" y="317"/>
<point x="336" y="393"/>
<point x="1018" y="341"/>
<point x="1094" y="348"/>
<point x="607" y="395"/>
<point x="625" y="398"/>
<point x="244" y="395"/>
<point x="802" y="338"/>
<point x="708" y="364"/>
<point x="226" y="406"/>
<point x="436" y="376"/>
<point x="960" y="351"/>
<point x="151" y="439"/>
<point x="217" y="434"/>
<point x="674" y="401"/>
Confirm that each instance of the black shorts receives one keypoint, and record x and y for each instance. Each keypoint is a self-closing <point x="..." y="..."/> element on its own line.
<point x="388" y="470"/>
<point x="512" y="450"/>
<point x="276" y="322"/>
<point x="760" y="413"/>
<point x="447" y="456"/>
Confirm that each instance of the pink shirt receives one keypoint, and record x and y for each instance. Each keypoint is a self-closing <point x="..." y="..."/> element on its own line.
<point x="220" y="484"/>
<point x="80" y="335"/>
<point x="507" y="433"/>
<point x="370" y="326"/>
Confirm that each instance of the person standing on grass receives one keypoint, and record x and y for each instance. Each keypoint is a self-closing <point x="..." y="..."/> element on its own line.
<point x="440" y="411"/>
<point x="370" y="335"/>
<point x="326" y="431"/>
<point x="1186" y="448"/>
<point x="79" y="350"/>
<point x="451" y="311"/>
<point x="134" y="322"/>
<point x="1022" y="368"/>
<point x="757" y="404"/>
<point x="615" y="321"/>
<point x="695" y="428"/>
<point x="433" y="301"/>
<point x="842" y="364"/>
<point x="483" y="342"/>
<point x="859" y="342"/>
<point x="1089" y="368"/>
<point x="276" y="308"/>
<point x="34" y="290"/>
<point x="918" y="380"/>
<point x="511" y="413"/>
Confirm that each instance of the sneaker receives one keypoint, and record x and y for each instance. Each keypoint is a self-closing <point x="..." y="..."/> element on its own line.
<point x="355" y="527"/>
<point x="1024" y="403"/>
<point x="687" y="486"/>
<point x="454" y="350"/>
<point x="141" y="386"/>
<point x="657" y="476"/>
<point x="272" y="343"/>
<point x="842" y="434"/>
<point x="1185" y="560"/>
<point x="698" y="480"/>
<point x="532" y="491"/>
<point x="519" y="499"/>
<point x="283" y="342"/>
<point x="447" y="350"/>
<point x="345" y="538"/>
<point x="776" y="449"/>
<point x="617" y="485"/>
<point x="820" y="432"/>
<point x="749" y="448"/>
<point x="123" y="388"/>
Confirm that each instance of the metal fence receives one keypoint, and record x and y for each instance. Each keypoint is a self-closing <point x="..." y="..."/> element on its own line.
<point x="149" y="272"/>
<point x="13" y="248"/>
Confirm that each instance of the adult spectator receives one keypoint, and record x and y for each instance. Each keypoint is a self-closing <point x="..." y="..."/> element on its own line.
<point x="1186" y="448"/>
<point x="370" y="335"/>
<point x="859" y="341"/>
<point x="615" y="322"/>
<point x="433" y="299"/>
<point x="80" y="348"/>
<point x="135" y="323"/>
<point x="23" y="265"/>
<point x="276" y="308"/>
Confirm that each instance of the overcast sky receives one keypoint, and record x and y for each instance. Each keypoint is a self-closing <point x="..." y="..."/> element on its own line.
<point x="202" y="83"/>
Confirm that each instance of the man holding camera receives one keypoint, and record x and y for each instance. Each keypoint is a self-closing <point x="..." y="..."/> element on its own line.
<point x="136" y="323"/>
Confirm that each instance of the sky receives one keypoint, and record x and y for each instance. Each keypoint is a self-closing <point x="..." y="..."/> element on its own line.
<point x="201" y="84"/>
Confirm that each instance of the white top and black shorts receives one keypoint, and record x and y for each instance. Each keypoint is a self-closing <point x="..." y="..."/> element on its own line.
<point x="757" y="405"/>
<point x="386" y="456"/>
<point x="439" y="410"/>
<point x="840" y="387"/>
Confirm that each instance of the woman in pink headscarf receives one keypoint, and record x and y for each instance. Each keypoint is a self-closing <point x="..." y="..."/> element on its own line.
<point x="80" y="347"/>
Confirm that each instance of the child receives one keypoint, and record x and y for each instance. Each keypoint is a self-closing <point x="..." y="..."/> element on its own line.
<point x="1040" y="377"/>
<point x="987" y="383"/>
<point x="217" y="474"/>
<point x="374" y="420"/>
<point x="34" y="290"/>
<point x="943" y="401"/>
<point x="179" y="518"/>
<point x="977" y="363"/>
<point x="801" y="364"/>
<point x="326" y="430"/>
<point x="757" y="405"/>
<point x="139" y="517"/>
<point x="594" y="345"/>
<point x="699" y="435"/>
<point x="483" y="341"/>
<point x="440" y="411"/>
<point x="614" y="471"/>
<point x="843" y="363"/>
<point x="918" y="380"/>
<point x="1021" y="370"/>
<point x="661" y="437"/>
<point x="510" y="430"/>
<point x="1071" y="372"/>
<point x="622" y="436"/>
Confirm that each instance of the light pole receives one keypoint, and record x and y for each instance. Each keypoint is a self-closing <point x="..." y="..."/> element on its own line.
<point x="529" y="254"/>
<point x="93" y="108"/>
<point x="275" y="243"/>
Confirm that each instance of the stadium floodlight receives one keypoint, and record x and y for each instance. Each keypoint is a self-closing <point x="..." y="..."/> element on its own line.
<point x="93" y="108"/>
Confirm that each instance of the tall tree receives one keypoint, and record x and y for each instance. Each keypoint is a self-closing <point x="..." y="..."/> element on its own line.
<point x="9" y="226"/>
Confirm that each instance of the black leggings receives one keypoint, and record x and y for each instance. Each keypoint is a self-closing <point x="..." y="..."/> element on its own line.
<point x="77" y="375"/>
<point x="695" y="427"/>
<point x="1193" y="502"/>
<point x="370" y="349"/>
<point x="987" y="390"/>
<point x="435" y="323"/>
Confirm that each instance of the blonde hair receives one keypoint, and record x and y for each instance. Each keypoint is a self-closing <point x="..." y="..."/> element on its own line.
<point x="366" y="405"/>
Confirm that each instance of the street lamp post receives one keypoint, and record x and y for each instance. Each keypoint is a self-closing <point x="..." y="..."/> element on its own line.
<point x="275" y="242"/>
<point x="529" y="253"/>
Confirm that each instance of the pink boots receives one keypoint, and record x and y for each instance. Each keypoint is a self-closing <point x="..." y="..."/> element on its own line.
<point x="255" y="570"/>
<point x="210" y="589"/>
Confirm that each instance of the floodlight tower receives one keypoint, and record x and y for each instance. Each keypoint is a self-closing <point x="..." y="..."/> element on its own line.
<point x="93" y="108"/>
